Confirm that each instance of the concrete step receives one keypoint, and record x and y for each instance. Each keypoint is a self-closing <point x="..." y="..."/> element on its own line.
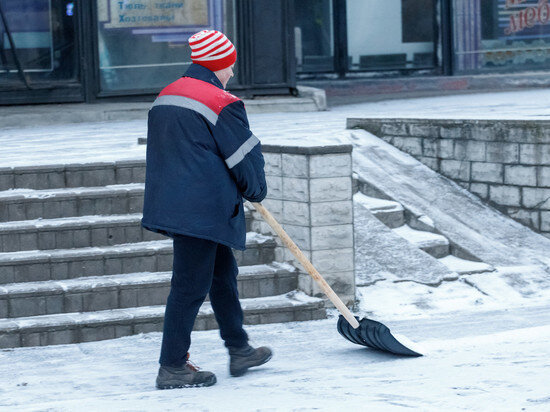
<point x="27" y="204"/>
<point x="92" y="326"/>
<point x="72" y="175"/>
<point x="77" y="232"/>
<point x="391" y="213"/>
<point x="154" y="256"/>
<point x="431" y="243"/>
<point x="128" y="290"/>
<point x="465" y="267"/>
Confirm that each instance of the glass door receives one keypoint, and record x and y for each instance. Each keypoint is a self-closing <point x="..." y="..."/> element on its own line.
<point x="38" y="44"/>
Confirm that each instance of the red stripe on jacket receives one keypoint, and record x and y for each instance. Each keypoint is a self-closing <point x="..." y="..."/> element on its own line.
<point x="208" y="94"/>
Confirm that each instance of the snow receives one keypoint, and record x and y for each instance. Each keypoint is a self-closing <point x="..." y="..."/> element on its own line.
<point x="421" y="238"/>
<point x="485" y="335"/>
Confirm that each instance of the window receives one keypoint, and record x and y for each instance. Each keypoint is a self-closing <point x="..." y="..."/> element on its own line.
<point x="390" y="34"/>
<point x="314" y="36"/>
<point x="143" y="43"/>
<point x="37" y="42"/>
<point x="501" y="35"/>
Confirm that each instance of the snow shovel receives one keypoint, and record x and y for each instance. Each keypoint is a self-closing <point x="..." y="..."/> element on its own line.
<point x="364" y="332"/>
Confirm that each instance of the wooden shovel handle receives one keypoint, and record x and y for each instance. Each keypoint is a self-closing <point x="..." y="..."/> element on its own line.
<point x="306" y="264"/>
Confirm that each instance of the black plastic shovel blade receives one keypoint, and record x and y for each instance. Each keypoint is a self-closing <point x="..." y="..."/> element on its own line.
<point x="374" y="335"/>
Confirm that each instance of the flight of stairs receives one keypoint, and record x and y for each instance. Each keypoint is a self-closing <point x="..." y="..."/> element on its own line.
<point x="419" y="232"/>
<point x="76" y="266"/>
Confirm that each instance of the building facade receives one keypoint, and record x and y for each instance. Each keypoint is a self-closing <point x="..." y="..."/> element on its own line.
<point x="88" y="50"/>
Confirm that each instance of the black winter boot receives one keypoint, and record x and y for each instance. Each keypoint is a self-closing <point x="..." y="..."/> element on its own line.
<point x="187" y="376"/>
<point x="241" y="359"/>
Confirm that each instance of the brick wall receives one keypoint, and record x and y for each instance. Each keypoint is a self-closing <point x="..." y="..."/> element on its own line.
<point x="310" y="194"/>
<point x="504" y="162"/>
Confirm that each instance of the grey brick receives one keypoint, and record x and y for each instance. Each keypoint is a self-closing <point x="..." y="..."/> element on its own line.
<point x="526" y="217"/>
<point x="3" y="308"/>
<point x="99" y="177"/>
<point x="455" y="169"/>
<point x="535" y="154"/>
<point x="135" y="204"/>
<point x="34" y="210"/>
<point x="330" y="237"/>
<point x="138" y="264"/>
<point x="7" y="180"/>
<point x="536" y="198"/>
<point x="543" y="177"/>
<point x="446" y="149"/>
<point x="470" y="150"/>
<point x="61" y="337"/>
<point x="103" y="206"/>
<point x="100" y="300"/>
<point x="430" y="147"/>
<point x="128" y="298"/>
<point x="11" y="242"/>
<point x="423" y="130"/>
<point x="116" y="235"/>
<point x="274" y="187"/>
<point x="56" y="179"/>
<point x="505" y="195"/>
<point x="451" y="132"/>
<point x="16" y="211"/>
<point x="484" y="133"/>
<point x="54" y="304"/>
<point x="120" y="204"/>
<point x="29" y="339"/>
<point x="273" y="164"/>
<point x="300" y="235"/>
<point x="395" y="129"/>
<point x="295" y="189"/>
<point x="277" y="317"/>
<point x="86" y="207"/>
<point x="487" y="172"/>
<point x="295" y="165"/>
<point x="138" y="174"/>
<point x="88" y="267"/>
<point x="431" y="162"/>
<point x="334" y="165"/>
<point x="333" y="260"/>
<point x="330" y="189"/>
<point x="520" y="175"/>
<point x="521" y="134"/>
<point x="91" y="334"/>
<point x="74" y="178"/>
<point x="10" y="339"/>
<point x="480" y="189"/>
<point x="165" y="261"/>
<point x="32" y="272"/>
<point x="82" y="238"/>
<point x="545" y="221"/>
<point x="52" y="209"/>
<point x="123" y="175"/>
<point x="133" y="234"/>
<point x="410" y="145"/>
<point x="123" y="330"/>
<point x="148" y="327"/>
<point x="72" y="302"/>
<point x="64" y="239"/>
<point x="46" y="240"/>
<point x="99" y="236"/>
<point x="27" y="306"/>
<point x="60" y="271"/>
<point x="151" y="296"/>
<point x="296" y="213"/>
<point x="7" y="274"/>
<point x="331" y="213"/>
<point x="498" y="152"/>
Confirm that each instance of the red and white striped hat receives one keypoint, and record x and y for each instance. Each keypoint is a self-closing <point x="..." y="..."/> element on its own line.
<point x="211" y="49"/>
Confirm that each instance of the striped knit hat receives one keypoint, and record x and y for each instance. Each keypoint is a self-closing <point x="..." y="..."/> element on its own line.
<point x="211" y="49"/>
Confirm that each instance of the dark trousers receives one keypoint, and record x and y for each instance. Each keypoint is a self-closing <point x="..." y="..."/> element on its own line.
<point x="200" y="267"/>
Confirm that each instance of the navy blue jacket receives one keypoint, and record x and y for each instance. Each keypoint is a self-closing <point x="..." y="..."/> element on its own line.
<point x="202" y="159"/>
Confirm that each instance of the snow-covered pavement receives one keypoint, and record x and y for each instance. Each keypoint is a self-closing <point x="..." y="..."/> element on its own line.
<point x="96" y="142"/>
<point x="486" y="340"/>
<point x="475" y="361"/>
